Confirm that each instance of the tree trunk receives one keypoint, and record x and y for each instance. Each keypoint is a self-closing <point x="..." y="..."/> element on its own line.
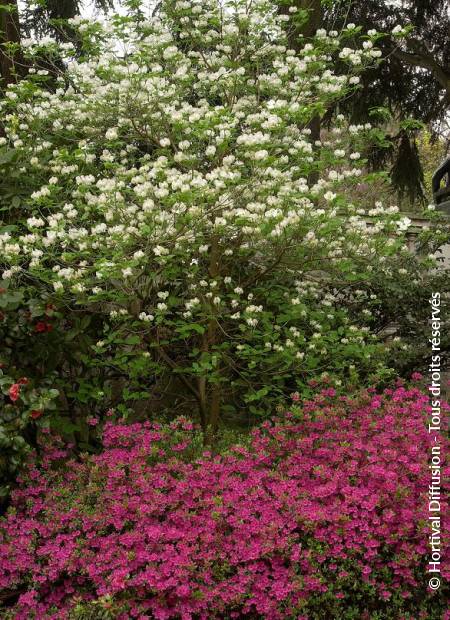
<point x="9" y="33"/>
<point x="419" y="56"/>
<point x="210" y="395"/>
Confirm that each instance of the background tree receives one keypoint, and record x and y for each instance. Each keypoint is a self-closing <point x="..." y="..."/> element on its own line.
<point x="48" y="17"/>
<point x="9" y="40"/>
<point x="413" y="81"/>
<point x="34" y="19"/>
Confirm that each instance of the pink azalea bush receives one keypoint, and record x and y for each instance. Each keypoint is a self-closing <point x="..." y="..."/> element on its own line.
<point x="322" y="514"/>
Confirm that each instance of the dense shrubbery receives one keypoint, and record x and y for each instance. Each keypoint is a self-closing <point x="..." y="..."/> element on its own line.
<point x="29" y="348"/>
<point x="322" y="515"/>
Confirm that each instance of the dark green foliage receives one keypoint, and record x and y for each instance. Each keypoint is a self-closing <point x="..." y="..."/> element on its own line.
<point x="406" y="172"/>
<point x="45" y="17"/>
<point x="413" y="81"/>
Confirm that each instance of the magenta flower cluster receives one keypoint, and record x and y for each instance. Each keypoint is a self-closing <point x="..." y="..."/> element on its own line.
<point x="321" y="512"/>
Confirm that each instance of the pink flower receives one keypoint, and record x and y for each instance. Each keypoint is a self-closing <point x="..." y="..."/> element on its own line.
<point x="14" y="392"/>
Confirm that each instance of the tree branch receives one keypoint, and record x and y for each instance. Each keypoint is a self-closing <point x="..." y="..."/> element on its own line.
<point x="421" y="57"/>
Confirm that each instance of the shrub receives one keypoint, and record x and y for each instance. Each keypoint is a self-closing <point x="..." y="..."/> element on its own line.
<point x="323" y="515"/>
<point x="171" y="186"/>
<point x="27" y="383"/>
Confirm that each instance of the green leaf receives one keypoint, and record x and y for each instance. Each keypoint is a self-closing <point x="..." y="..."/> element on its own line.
<point x="186" y="330"/>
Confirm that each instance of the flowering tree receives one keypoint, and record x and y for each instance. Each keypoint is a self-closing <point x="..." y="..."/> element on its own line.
<point x="167" y="189"/>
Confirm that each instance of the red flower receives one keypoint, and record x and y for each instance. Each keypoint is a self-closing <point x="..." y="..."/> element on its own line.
<point x="14" y="392"/>
<point x="22" y="381"/>
<point x="35" y="414"/>
<point x="43" y="326"/>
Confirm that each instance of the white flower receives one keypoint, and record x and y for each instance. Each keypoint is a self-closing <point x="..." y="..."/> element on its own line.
<point x="404" y="223"/>
<point x="159" y="250"/>
<point x="35" y="222"/>
<point x="170" y="52"/>
<point x="111" y="133"/>
<point x="259" y="155"/>
<point x="192" y="303"/>
<point x="147" y="318"/>
<point x="127" y="272"/>
<point x="184" y="145"/>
